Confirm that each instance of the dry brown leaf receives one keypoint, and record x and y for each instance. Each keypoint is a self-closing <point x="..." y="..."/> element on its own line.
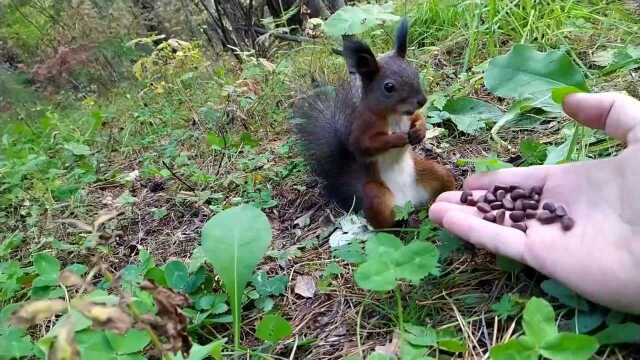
<point x="65" y="347"/>
<point x="78" y="224"/>
<point x="391" y="349"/>
<point x="305" y="286"/>
<point x="104" y="216"/>
<point x="34" y="312"/>
<point x="169" y="321"/>
<point x="105" y="317"/>
<point x="69" y="278"/>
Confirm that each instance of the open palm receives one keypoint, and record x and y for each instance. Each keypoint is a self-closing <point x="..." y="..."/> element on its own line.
<point x="600" y="257"/>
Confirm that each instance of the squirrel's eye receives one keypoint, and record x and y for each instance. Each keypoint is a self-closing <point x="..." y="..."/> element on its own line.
<point x="389" y="87"/>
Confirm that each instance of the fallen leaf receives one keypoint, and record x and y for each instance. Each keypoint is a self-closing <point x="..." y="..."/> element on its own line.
<point x="65" y="347"/>
<point x="305" y="286"/>
<point x="69" y="278"/>
<point x="169" y="322"/>
<point x="304" y="220"/>
<point x="105" y="317"/>
<point x="392" y="349"/>
<point x="77" y="223"/>
<point x="34" y="312"/>
<point x="104" y="216"/>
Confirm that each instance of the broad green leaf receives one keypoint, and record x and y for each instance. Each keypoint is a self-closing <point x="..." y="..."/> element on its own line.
<point x="449" y="243"/>
<point x="80" y="322"/>
<point x="586" y="321"/>
<point x="94" y="345"/>
<point x="46" y="264"/>
<point x="132" y="341"/>
<point x="615" y="317"/>
<point x="78" y="269"/>
<point x="77" y="148"/>
<point x="564" y="295"/>
<point x="273" y="328"/>
<point x="379" y="356"/>
<point x="417" y="260"/>
<point x="234" y="241"/>
<point x="516" y="349"/>
<point x="15" y="345"/>
<point x="389" y="261"/>
<point x="195" y="280"/>
<point x="627" y="58"/>
<point x="559" y="94"/>
<point x="157" y="276"/>
<point x="517" y="108"/>
<point x="538" y="321"/>
<point x="266" y="286"/>
<point x="376" y="275"/>
<point x="470" y="115"/>
<point x="490" y="163"/>
<point x="382" y="245"/>
<point x="556" y="154"/>
<point x="533" y="152"/>
<point x="351" y="20"/>
<point x="420" y="335"/>
<point x="411" y="352"/>
<point x="200" y="352"/>
<point x="627" y="333"/>
<point x="508" y="265"/>
<point x="567" y="346"/>
<point x="524" y="73"/>
<point x="452" y="345"/>
<point x="265" y="303"/>
<point x="351" y="253"/>
<point x="176" y="274"/>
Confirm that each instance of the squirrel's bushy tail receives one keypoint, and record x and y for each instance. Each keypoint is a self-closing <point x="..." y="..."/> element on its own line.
<point x="322" y="122"/>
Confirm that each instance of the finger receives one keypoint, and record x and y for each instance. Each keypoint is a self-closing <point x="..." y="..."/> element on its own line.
<point x="615" y="113"/>
<point x="454" y="196"/>
<point x="498" y="239"/>
<point x="439" y="210"/>
<point x="523" y="177"/>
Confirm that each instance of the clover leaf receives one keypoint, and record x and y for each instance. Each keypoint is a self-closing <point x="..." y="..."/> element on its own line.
<point x="388" y="261"/>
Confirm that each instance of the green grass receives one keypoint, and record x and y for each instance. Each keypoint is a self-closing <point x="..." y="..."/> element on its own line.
<point x="193" y="136"/>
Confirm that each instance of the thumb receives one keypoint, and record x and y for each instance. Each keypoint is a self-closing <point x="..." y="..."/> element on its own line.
<point x="615" y="113"/>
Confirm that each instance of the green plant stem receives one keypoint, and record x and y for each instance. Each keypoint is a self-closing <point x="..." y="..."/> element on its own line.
<point x="396" y="290"/>
<point x="577" y="133"/>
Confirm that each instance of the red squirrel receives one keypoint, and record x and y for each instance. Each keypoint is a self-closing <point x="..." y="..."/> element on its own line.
<point x="357" y="137"/>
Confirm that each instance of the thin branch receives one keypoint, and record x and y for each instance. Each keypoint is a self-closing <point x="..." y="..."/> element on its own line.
<point x="177" y="177"/>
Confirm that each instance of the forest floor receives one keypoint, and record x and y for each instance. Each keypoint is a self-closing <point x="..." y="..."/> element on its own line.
<point x="150" y="162"/>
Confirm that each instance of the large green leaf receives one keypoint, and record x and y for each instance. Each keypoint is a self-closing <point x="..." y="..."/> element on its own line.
<point x="273" y="328"/>
<point x="132" y="341"/>
<point x="524" y="73"/>
<point x="564" y="294"/>
<point x="15" y="345"/>
<point x="234" y="241"/>
<point x="351" y="20"/>
<point x="470" y="115"/>
<point x="389" y="261"/>
<point x="517" y="349"/>
<point x="539" y="321"/>
<point x="567" y="346"/>
<point x="176" y="274"/>
<point x="620" y="334"/>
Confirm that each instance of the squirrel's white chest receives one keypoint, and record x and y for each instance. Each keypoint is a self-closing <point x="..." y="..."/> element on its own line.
<point x="397" y="169"/>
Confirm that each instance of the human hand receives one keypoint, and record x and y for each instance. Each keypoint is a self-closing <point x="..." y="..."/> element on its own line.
<point x="600" y="257"/>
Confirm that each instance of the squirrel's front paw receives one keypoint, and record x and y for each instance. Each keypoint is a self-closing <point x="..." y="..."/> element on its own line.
<point x="416" y="135"/>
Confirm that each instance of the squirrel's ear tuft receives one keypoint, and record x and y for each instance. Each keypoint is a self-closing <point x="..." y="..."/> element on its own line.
<point x="401" y="38"/>
<point x="360" y="59"/>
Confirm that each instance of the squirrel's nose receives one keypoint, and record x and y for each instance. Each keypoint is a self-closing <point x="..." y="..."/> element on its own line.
<point x="422" y="100"/>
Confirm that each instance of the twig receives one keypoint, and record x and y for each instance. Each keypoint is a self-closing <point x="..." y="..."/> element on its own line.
<point x="177" y="177"/>
<point x="286" y="37"/>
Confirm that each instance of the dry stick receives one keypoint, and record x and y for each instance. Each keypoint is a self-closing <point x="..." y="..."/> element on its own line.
<point x="177" y="177"/>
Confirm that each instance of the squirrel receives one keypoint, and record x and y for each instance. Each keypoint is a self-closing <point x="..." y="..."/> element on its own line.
<point x="357" y="137"/>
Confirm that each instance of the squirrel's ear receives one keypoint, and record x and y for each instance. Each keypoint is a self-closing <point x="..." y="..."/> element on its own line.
<point x="360" y="59"/>
<point x="401" y="38"/>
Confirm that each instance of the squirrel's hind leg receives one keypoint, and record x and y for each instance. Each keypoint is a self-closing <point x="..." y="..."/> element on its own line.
<point x="433" y="177"/>
<point x="378" y="205"/>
